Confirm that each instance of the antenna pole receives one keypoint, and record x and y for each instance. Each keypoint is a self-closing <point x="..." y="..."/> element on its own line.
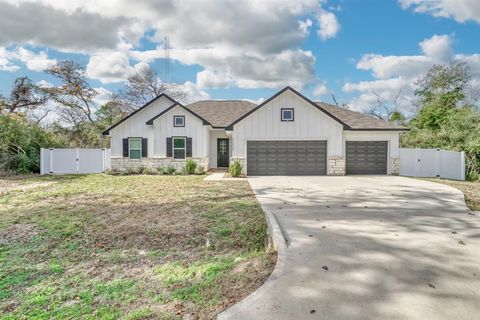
<point x="167" y="59"/>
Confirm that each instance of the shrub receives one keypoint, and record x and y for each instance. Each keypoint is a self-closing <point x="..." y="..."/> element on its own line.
<point x="171" y="170"/>
<point x="190" y="167"/>
<point x="142" y="169"/>
<point x="166" y="171"/>
<point x="131" y="171"/>
<point x="20" y="143"/>
<point x="235" y="169"/>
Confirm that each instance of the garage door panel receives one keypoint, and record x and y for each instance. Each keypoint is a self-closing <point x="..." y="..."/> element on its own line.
<point x="286" y="157"/>
<point x="366" y="157"/>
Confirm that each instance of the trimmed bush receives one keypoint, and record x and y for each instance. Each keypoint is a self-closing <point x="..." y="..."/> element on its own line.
<point x="235" y="169"/>
<point x="190" y="167"/>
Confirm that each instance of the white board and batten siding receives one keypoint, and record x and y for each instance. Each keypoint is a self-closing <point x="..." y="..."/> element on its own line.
<point x="309" y="124"/>
<point x="194" y="128"/>
<point x="74" y="161"/>
<point x="135" y="126"/>
<point x="432" y="163"/>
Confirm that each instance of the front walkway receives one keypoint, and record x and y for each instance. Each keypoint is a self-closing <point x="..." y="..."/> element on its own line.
<point x="365" y="247"/>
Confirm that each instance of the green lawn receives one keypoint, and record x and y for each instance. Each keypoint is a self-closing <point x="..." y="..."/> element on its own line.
<point x="129" y="247"/>
<point x="471" y="190"/>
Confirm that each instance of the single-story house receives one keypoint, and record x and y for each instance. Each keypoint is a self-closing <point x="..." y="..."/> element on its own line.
<point x="287" y="134"/>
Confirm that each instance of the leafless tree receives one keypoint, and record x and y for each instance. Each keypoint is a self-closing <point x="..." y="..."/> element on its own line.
<point x="384" y="110"/>
<point x="74" y="92"/>
<point x="24" y="96"/>
<point x="143" y="85"/>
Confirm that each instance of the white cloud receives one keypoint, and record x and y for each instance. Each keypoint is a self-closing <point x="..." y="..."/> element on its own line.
<point x="108" y="67"/>
<point x="193" y="93"/>
<point x="320" y="90"/>
<point x="35" y="61"/>
<point x="459" y="10"/>
<point x="393" y="74"/>
<point x="329" y="25"/>
<point x="214" y="79"/>
<point x="225" y="29"/>
<point x="6" y="63"/>
<point x="103" y="96"/>
<point x="438" y="47"/>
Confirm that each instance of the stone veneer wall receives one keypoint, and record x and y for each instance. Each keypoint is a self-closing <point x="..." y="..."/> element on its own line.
<point x="127" y="163"/>
<point x="336" y="166"/>
<point x="394" y="166"/>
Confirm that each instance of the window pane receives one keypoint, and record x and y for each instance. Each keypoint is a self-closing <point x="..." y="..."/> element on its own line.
<point x="179" y="121"/>
<point x="179" y="143"/>
<point x="135" y="154"/>
<point x="179" y="154"/>
<point x="287" y="114"/>
<point x="135" y="143"/>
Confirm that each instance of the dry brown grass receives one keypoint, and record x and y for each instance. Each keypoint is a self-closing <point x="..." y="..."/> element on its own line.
<point x="470" y="189"/>
<point x="129" y="246"/>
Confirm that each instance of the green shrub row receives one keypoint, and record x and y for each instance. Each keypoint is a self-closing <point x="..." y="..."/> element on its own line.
<point x="190" y="167"/>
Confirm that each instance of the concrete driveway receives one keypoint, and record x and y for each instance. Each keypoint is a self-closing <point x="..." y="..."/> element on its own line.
<point x="368" y="247"/>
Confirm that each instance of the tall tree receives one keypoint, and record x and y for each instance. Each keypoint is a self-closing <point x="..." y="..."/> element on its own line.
<point x="74" y="92"/>
<point x="143" y="85"/>
<point x="446" y="118"/>
<point x="441" y="91"/>
<point x="25" y="96"/>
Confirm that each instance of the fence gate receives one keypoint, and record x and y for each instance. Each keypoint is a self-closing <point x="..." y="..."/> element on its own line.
<point x="432" y="163"/>
<point x="73" y="161"/>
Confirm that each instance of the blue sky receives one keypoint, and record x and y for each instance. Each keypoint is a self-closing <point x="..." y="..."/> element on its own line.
<point x="357" y="50"/>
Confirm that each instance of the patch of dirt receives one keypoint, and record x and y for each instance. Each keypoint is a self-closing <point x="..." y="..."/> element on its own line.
<point x="18" y="232"/>
<point x="7" y="186"/>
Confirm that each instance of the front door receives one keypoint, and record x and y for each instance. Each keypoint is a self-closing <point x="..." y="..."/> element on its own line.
<point x="222" y="153"/>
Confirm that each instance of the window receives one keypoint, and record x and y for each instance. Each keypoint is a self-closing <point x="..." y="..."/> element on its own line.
<point x="179" y="121"/>
<point x="135" y="148"/>
<point x="287" y="114"/>
<point x="179" y="148"/>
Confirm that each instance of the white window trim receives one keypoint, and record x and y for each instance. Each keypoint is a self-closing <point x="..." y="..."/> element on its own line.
<point x="184" y="148"/>
<point x="129" y="139"/>
<point x="175" y="121"/>
<point x="282" y="118"/>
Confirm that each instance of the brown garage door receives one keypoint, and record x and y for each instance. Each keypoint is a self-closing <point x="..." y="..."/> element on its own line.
<point x="366" y="157"/>
<point x="287" y="157"/>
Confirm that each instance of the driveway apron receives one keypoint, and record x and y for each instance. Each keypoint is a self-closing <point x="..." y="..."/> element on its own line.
<point x="368" y="247"/>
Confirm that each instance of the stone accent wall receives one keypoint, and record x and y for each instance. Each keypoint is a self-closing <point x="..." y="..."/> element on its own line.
<point x="127" y="163"/>
<point x="242" y="161"/>
<point x="336" y="166"/>
<point x="394" y="166"/>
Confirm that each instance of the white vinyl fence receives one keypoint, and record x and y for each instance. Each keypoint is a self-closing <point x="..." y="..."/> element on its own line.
<point x="432" y="163"/>
<point x="71" y="161"/>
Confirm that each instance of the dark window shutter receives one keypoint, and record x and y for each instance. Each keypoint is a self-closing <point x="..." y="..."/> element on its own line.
<point x="125" y="147"/>
<point x="144" y="147"/>
<point x="169" y="147"/>
<point x="189" y="147"/>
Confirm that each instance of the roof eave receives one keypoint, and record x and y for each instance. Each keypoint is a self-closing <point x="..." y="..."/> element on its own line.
<point x="345" y="126"/>
<point x="377" y="129"/>
<point x="107" y="131"/>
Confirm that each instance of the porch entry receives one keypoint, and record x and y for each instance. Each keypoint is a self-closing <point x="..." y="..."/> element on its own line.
<point x="222" y="153"/>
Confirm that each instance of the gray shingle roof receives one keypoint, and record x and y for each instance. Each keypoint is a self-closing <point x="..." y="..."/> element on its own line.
<point x="221" y="113"/>
<point x="357" y="120"/>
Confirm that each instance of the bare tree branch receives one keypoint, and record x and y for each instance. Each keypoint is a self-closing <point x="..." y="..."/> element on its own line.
<point x="144" y="85"/>
<point x="75" y="92"/>
<point x="24" y="96"/>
